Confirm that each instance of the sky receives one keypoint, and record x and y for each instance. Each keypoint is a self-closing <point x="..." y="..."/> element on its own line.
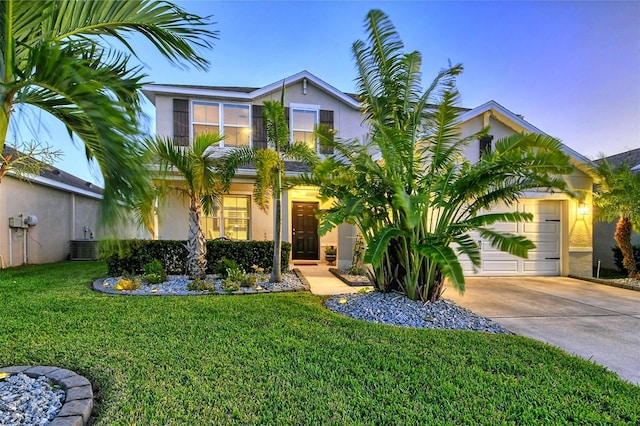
<point x="571" y="68"/>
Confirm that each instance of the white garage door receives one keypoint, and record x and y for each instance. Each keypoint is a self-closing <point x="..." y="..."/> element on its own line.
<point x="543" y="231"/>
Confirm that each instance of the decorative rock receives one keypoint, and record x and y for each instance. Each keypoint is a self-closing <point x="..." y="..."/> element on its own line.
<point x="395" y="309"/>
<point x="176" y="285"/>
<point x="78" y="401"/>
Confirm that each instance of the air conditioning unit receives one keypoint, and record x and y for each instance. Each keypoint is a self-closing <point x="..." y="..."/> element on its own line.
<point x="83" y="249"/>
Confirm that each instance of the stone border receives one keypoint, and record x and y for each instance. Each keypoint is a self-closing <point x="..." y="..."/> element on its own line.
<point x="348" y="282"/>
<point x="78" y="402"/>
<point x="97" y="286"/>
<point x="607" y="282"/>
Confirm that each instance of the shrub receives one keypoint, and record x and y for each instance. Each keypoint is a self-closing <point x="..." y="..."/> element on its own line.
<point x="229" y="285"/>
<point x="236" y="274"/>
<point x="201" y="285"/>
<point x="250" y="280"/>
<point x="223" y="266"/>
<point x="127" y="284"/>
<point x="131" y="255"/>
<point x="154" y="272"/>
<point x="617" y="256"/>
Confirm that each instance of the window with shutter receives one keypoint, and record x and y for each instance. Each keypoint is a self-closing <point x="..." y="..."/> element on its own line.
<point x="485" y="144"/>
<point x="181" y="122"/>
<point x="259" y="128"/>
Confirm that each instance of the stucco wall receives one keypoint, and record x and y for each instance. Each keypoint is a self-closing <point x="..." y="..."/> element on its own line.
<point x="603" y="242"/>
<point x="61" y="217"/>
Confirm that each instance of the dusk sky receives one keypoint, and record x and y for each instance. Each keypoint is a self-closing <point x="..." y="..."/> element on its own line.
<point x="572" y="68"/>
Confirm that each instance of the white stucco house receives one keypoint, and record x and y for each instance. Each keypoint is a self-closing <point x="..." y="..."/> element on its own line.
<point x="562" y="229"/>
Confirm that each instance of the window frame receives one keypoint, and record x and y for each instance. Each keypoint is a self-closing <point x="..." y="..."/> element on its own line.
<point x="221" y="124"/>
<point x="304" y="107"/>
<point x="220" y="216"/>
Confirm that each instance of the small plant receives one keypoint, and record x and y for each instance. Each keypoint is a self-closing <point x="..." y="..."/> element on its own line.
<point x="154" y="272"/>
<point x="127" y="284"/>
<point x="199" y="284"/>
<point x="250" y="280"/>
<point x="331" y="250"/>
<point x="236" y="274"/>
<point x="223" y="266"/>
<point x="357" y="265"/>
<point x="257" y="269"/>
<point x="230" y="285"/>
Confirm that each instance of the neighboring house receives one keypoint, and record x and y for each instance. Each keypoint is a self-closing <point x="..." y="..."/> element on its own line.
<point x="603" y="232"/>
<point x="42" y="214"/>
<point x="562" y="229"/>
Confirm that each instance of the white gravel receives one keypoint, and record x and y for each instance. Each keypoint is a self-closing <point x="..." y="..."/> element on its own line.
<point x="177" y="285"/>
<point x="396" y="309"/>
<point x="28" y="401"/>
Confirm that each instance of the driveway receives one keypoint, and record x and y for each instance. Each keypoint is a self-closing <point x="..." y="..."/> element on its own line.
<point x="594" y="321"/>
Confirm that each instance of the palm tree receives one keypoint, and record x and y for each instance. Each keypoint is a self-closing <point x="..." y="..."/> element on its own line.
<point x="408" y="187"/>
<point x="617" y="198"/>
<point x="200" y="185"/>
<point x="59" y="56"/>
<point x="270" y="169"/>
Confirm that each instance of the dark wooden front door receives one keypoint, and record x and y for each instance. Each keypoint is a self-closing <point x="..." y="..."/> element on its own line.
<point x="304" y="232"/>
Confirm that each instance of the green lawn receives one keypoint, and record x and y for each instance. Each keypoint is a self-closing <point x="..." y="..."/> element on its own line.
<point x="285" y="359"/>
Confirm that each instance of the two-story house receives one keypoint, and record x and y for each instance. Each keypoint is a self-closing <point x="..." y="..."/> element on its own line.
<point x="562" y="229"/>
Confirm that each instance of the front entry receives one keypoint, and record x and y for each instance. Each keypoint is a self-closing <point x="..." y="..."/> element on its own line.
<point x="304" y="231"/>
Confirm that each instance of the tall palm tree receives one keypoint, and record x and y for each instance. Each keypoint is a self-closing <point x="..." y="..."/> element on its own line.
<point x="617" y="198"/>
<point x="200" y="186"/>
<point x="408" y="187"/>
<point x="71" y="59"/>
<point x="270" y="169"/>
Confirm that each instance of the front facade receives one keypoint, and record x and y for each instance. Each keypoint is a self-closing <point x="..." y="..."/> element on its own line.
<point x="562" y="230"/>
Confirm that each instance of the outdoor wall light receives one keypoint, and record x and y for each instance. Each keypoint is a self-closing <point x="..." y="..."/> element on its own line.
<point x="583" y="209"/>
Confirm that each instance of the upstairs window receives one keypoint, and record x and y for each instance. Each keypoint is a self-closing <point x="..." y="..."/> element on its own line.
<point x="485" y="144"/>
<point x="303" y="122"/>
<point x="230" y="120"/>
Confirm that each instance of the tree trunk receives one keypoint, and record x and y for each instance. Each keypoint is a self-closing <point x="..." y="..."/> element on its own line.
<point x="196" y="244"/>
<point x="276" y="273"/>
<point x="623" y="238"/>
<point x="5" y="114"/>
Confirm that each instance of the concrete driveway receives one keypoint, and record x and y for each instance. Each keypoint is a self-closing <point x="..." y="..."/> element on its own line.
<point x="594" y="321"/>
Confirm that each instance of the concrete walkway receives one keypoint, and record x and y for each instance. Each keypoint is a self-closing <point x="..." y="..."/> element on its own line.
<point x="322" y="281"/>
<point x="594" y="321"/>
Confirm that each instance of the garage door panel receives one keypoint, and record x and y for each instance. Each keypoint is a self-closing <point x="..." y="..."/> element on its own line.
<point x="551" y="228"/>
<point x="544" y="231"/>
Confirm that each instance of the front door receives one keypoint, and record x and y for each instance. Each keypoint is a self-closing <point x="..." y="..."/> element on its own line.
<point x="304" y="232"/>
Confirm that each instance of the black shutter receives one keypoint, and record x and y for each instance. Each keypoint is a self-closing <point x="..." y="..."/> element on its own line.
<point x="485" y="144"/>
<point x="181" y="122"/>
<point x="259" y="136"/>
<point x="326" y="119"/>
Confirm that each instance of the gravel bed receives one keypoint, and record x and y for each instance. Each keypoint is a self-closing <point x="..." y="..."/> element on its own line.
<point x="395" y="309"/>
<point x="28" y="401"/>
<point x="177" y="285"/>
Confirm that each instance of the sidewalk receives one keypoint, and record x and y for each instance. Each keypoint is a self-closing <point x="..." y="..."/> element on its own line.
<point x="322" y="281"/>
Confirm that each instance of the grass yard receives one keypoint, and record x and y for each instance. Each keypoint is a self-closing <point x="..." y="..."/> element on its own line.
<point x="285" y="359"/>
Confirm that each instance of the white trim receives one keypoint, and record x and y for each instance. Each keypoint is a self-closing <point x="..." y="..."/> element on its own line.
<point x="151" y="90"/>
<point x="496" y="107"/>
<point x="58" y="185"/>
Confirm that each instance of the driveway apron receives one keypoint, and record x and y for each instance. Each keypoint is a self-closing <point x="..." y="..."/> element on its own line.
<point x="594" y="321"/>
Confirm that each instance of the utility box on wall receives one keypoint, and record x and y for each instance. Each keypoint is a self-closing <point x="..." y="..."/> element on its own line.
<point x="17" y="222"/>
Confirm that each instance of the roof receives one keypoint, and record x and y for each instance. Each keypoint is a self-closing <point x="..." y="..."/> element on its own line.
<point x="56" y="178"/>
<point x="247" y="93"/>
<point x="631" y="158"/>
<point x="584" y="163"/>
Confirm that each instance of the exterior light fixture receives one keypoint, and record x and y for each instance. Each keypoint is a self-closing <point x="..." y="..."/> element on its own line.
<point x="583" y="209"/>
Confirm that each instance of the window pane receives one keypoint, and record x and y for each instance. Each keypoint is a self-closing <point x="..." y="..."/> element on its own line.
<point x="200" y="129"/>
<point x="236" y="217"/>
<point x="306" y="137"/>
<point x="304" y="119"/>
<point x="237" y="115"/>
<point x="236" y="136"/>
<point x="206" y="112"/>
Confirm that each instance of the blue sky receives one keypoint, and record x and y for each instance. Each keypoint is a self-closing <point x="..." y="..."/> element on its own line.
<point x="572" y="68"/>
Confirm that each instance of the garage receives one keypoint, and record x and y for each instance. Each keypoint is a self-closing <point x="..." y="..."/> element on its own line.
<point x="544" y="231"/>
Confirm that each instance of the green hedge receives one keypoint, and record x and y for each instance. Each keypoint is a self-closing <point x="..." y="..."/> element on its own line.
<point x="131" y="255"/>
<point x="617" y="256"/>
